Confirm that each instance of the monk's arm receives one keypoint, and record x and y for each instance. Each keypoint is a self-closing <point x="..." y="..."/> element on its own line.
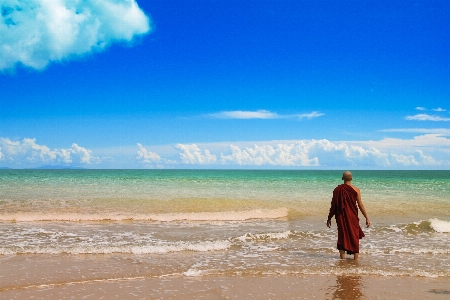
<point x="331" y="214"/>
<point x="362" y="208"/>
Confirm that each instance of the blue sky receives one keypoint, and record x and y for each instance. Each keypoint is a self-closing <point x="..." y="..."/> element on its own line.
<point x="225" y="84"/>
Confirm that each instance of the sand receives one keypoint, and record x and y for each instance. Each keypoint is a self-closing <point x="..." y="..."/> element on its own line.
<point x="221" y="287"/>
<point x="124" y="277"/>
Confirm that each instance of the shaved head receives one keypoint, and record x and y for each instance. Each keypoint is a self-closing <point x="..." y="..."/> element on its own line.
<point x="347" y="176"/>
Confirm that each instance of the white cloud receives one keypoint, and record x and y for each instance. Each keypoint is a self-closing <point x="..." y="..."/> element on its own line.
<point x="191" y="154"/>
<point x="426" y="117"/>
<point x="387" y="153"/>
<point x="442" y="131"/>
<point x="429" y="150"/>
<point x="311" y="115"/>
<point x="28" y="152"/>
<point x="36" y="32"/>
<point x="439" y="109"/>
<point x="266" y="155"/>
<point x="79" y="154"/>
<point x="239" y="114"/>
<point x="420" y="108"/>
<point x="146" y="156"/>
<point x="261" y="114"/>
<point x="431" y="141"/>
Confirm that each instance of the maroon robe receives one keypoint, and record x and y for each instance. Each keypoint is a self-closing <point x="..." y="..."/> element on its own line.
<point x="343" y="207"/>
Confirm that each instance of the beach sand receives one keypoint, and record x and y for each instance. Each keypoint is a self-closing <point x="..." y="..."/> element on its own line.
<point x="88" y="277"/>
<point x="272" y="287"/>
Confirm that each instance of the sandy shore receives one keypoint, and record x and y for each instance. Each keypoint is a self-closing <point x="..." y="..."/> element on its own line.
<point x="212" y="287"/>
<point x="124" y="277"/>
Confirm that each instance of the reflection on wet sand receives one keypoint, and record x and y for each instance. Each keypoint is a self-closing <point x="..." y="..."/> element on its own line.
<point x="347" y="287"/>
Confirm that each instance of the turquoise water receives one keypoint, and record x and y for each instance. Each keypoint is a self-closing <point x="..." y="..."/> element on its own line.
<point x="200" y="222"/>
<point x="135" y="193"/>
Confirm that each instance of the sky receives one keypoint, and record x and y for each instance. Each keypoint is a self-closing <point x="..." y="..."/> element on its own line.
<point x="255" y="84"/>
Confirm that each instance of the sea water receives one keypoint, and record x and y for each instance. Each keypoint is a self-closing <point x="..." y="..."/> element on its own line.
<point x="153" y="223"/>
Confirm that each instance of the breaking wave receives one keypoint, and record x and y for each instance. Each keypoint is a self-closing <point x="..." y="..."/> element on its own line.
<point x="165" y="217"/>
<point x="203" y="246"/>
<point x="431" y="225"/>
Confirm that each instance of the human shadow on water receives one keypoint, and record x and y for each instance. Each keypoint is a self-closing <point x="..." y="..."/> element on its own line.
<point x="348" y="287"/>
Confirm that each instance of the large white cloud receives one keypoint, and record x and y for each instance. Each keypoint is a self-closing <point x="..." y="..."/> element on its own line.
<point x="28" y="153"/>
<point x="312" y="153"/>
<point x="386" y="153"/>
<point x="423" y="151"/>
<point x="36" y="32"/>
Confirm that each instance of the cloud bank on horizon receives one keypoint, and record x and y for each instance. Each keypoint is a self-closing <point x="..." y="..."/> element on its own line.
<point x="25" y="153"/>
<point x="37" y="32"/>
<point x="429" y="150"/>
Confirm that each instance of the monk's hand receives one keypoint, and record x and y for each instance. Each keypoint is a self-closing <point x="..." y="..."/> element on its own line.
<point x="367" y="223"/>
<point x="329" y="223"/>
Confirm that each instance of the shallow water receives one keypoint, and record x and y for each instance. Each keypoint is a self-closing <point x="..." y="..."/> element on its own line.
<point x="195" y="223"/>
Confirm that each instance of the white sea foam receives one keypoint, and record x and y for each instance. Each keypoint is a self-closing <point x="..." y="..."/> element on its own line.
<point x="395" y="228"/>
<point x="440" y="225"/>
<point x="265" y="236"/>
<point x="194" y="273"/>
<point x="403" y="250"/>
<point x="168" y="217"/>
<point x="420" y="250"/>
<point x="184" y="246"/>
<point x="160" y="248"/>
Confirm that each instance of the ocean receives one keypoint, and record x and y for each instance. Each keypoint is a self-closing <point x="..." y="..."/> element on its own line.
<point x="92" y="225"/>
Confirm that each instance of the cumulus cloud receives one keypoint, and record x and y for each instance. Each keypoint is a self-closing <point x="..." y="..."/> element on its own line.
<point x="191" y="154"/>
<point x="315" y="153"/>
<point x="387" y="153"/>
<point x="427" y="117"/>
<point x="439" y="109"/>
<point x="36" y="32"/>
<point x="146" y="156"/>
<point x="28" y="152"/>
<point x="430" y="150"/>
<point x="414" y="160"/>
<point x="420" y="108"/>
<point x="267" y="155"/>
<point x="261" y="114"/>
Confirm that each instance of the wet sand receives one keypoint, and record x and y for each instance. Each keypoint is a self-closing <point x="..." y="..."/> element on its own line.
<point x="30" y="278"/>
<point x="222" y="287"/>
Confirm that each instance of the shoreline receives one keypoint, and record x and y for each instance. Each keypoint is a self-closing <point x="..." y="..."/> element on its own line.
<point x="242" y="287"/>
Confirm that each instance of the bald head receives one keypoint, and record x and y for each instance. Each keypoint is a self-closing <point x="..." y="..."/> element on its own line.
<point x="347" y="176"/>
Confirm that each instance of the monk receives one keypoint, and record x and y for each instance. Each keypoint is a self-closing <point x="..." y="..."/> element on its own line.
<point x="345" y="210"/>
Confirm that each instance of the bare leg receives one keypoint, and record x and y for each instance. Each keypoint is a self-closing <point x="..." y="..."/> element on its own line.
<point x="342" y="254"/>
<point x="356" y="256"/>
